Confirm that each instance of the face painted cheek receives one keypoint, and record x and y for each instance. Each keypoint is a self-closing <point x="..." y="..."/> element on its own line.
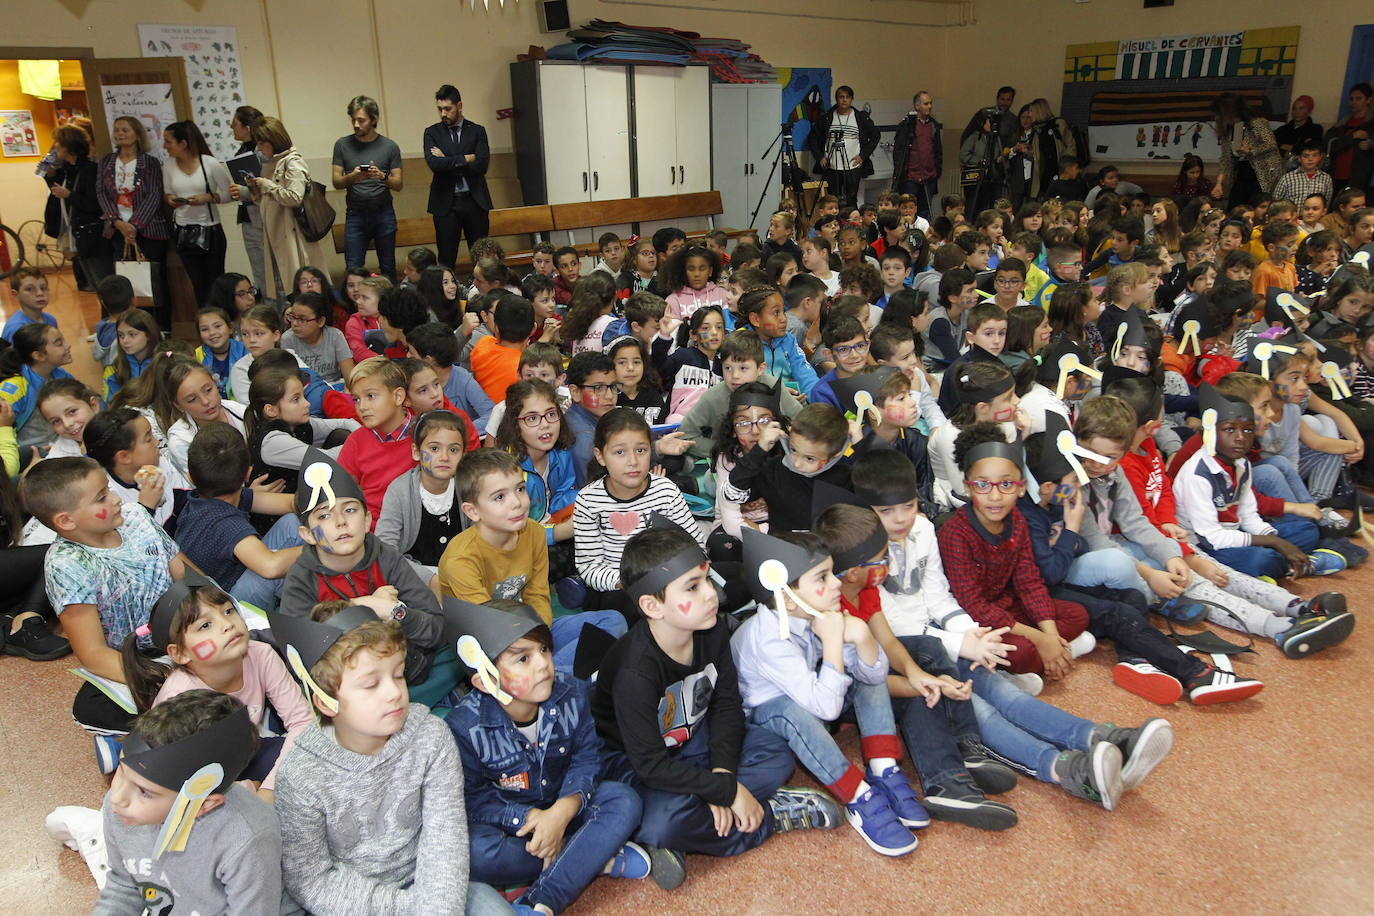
<point x="516" y="686"/>
<point x="684" y="607"/>
<point x="875" y="577"/>
<point x="1005" y="414"/>
<point x="320" y="541"/>
<point x="204" y="649"/>
<point x="1282" y="389"/>
<point x="102" y="514"/>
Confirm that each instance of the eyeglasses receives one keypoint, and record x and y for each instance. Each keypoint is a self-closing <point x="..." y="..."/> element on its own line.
<point x="294" y="318"/>
<point x="760" y="423"/>
<point x="1068" y="263"/>
<point x="250" y="291"/>
<point x="599" y="390"/>
<point x="531" y="420"/>
<point x="985" y="486"/>
<point x="1008" y="282"/>
<point x="858" y="349"/>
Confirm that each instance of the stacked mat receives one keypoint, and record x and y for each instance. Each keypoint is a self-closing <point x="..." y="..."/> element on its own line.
<point x="605" y="42"/>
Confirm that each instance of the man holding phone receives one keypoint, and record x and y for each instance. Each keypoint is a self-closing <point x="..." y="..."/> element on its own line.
<point x="368" y="165"/>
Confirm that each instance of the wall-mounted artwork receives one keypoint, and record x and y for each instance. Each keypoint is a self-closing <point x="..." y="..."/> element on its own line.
<point x="1150" y="98"/>
<point x="214" y="75"/>
<point x="17" y="137"/>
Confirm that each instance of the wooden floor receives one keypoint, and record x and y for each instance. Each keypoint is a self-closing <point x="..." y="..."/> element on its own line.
<point x="1264" y="806"/>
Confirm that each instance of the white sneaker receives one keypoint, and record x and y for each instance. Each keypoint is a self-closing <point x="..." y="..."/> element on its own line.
<point x="1026" y="683"/>
<point x="82" y="829"/>
<point x="1082" y="644"/>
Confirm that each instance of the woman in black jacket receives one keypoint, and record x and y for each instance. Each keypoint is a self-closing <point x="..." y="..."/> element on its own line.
<point x="74" y="183"/>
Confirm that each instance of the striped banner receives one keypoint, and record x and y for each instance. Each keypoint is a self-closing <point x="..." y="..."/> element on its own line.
<point x="1154" y="107"/>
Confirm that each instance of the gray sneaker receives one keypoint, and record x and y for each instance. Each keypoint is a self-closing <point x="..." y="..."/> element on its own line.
<point x="795" y="808"/>
<point x="1093" y="775"/>
<point x="1142" y="748"/>
<point x="668" y="867"/>
<point x="991" y="775"/>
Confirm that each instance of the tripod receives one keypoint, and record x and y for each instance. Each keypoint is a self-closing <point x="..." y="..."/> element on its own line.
<point x="835" y="153"/>
<point x="792" y="176"/>
<point x="975" y="193"/>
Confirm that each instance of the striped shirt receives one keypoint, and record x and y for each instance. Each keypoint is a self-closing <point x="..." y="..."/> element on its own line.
<point x="603" y="524"/>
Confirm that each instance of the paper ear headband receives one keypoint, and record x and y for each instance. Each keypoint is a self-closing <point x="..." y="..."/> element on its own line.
<point x="293" y="658"/>
<point x="891" y="496"/>
<point x="1361" y="258"/>
<point x="317" y="478"/>
<point x="176" y="830"/>
<point x="470" y="651"/>
<point x="1011" y="451"/>
<point x="1335" y="381"/>
<point x="662" y="575"/>
<point x="1264" y="351"/>
<point x="773" y="576"/>
<point x="1209" y="431"/>
<point x="863" y="404"/>
<point x="1290" y="305"/>
<point x="862" y="552"/>
<point x="1068" y="446"/>
<point x="1068" y="364"/>
<point x="983" y="395"/>
<point x="1191" y="327"/>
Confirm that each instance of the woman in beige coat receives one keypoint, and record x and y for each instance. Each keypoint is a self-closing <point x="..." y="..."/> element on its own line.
<point x="1250" y="159"/>
<point x="278" y="195"/>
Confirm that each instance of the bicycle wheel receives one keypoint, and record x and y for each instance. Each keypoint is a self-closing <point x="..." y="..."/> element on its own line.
<point x="11" y="251"/>
<point x="40" y="249"/>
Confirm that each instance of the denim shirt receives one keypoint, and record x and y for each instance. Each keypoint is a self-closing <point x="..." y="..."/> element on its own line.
<point x="504" y="776"/>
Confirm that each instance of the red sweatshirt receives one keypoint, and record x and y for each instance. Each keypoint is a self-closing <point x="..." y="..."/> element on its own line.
<point x="375" y="462"/>
<point x="1152" y="487"/>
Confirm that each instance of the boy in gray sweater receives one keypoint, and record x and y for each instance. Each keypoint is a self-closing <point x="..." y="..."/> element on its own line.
<point x="220" y="852"/>
<point x="371" y="800"/>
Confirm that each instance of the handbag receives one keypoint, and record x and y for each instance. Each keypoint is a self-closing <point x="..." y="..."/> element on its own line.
<point x="314" y="216"/>
<point x="138" y="271"/>
<point x="196" y="237"/>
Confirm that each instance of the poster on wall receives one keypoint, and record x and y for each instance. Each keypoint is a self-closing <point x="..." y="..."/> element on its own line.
<point x="151" y="103"/>
<point x="1150" y="97"/>
<point x="805" y="97"/>
<point x="214" y="76"/>
<point x="17" y="137"/>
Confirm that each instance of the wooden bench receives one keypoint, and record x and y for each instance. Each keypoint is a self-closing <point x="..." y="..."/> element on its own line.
<point x="542" y="220"/>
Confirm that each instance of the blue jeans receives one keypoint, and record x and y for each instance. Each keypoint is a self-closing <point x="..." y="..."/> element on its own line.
<point x="485" y="900"/>
<point x="932" y="734"/>
<point x="809" y="735"/>
<point x="1275" y="476"/>
<point x="927" y="194"/>
<point x="1109" y="568"/>
<point x="568" y="628"/>
<point x="1021" y="729"/>
<point x="1302" y="533"/>
<point x="253" y="588"/>
<point x="676" y="820"/>
<point x="593" y="837"/>
<point x="376" y="226"/>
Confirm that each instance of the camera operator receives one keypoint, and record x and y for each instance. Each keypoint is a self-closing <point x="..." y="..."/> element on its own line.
<point x="918" y="158"/>
<point x="842" y="145"/>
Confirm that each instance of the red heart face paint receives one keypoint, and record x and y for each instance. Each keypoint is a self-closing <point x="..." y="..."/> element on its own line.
<point x="102" y="514"/>
<point x="205" y="649"/>
<point x="685" y="607"/>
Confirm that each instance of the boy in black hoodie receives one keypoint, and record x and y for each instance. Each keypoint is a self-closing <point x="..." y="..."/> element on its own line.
<point x="811" y="450"/>
<point x="343" y="560"/>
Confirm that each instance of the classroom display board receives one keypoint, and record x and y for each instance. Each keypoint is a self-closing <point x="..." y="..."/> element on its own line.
<point x="214" y="76"/>
<point x="1151" y="97"/>
<point x="17" y="136"/>
<point x="150" y="103"/>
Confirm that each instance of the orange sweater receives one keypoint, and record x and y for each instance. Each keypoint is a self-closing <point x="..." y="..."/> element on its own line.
<point x="496" y="366"/>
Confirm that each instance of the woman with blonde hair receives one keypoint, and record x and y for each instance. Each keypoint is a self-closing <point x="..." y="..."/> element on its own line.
<point x="129" y="190"/>
<point x="278" y="194"/>
<point x="1051" y="138"/>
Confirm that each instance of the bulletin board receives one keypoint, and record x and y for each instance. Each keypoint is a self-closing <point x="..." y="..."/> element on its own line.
<point x="1150" y="98"/>
<point x="214" y="75"/>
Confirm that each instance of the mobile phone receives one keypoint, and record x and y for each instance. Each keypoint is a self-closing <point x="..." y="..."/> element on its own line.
<point x="180" y="200"/>
<point x="246" y="175"/>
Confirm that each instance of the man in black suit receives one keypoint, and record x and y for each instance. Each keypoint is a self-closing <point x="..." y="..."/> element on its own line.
<point x="456" y="151"/>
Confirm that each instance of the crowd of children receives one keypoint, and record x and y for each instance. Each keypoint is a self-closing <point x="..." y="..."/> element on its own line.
<point x="641" y="537"/>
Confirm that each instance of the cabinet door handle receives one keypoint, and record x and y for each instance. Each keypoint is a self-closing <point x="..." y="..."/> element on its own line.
<point x="584" y="181"/>
<point x="672" y="175"/>
<point x="681" y="175"/>
<point x="596" y="181"/>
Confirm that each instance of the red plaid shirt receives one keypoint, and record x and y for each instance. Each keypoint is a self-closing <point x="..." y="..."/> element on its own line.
<point x="991" y="574"/>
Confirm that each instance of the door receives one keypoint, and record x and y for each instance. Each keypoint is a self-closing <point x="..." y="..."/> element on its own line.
<point x="563" y="111"/>
<point x="152" y="89"/>
<point x="765" y="182"/>
<point x="607" y="103"/>
<point x="730" y="161"/>
<point x="692" y="97"/>
<point x="655" y="131"/>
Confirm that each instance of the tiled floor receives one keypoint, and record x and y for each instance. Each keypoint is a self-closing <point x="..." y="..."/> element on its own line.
<point x="1264" y="807"/>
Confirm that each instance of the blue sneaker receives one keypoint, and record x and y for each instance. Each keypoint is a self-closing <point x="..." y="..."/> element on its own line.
<point x="872" y="817"/>
<point x="901" y="798"/>
<point x="1177" y="609"/>
<point x="572" y="592"/>
<point x="107" y="748"/>
<point x="1325" y="562"/>
<point x="630" y="861"/>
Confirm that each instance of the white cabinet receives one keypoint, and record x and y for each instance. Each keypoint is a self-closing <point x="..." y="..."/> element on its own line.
<point x="572" y="131"/>
<point x="672" y="107"/>
<point x="744" y="143"/>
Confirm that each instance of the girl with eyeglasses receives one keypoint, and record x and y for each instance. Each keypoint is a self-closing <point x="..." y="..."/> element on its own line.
<point x="987" y="393"/>
<point x="532" y="429"/>
<point x="753" y="408"/>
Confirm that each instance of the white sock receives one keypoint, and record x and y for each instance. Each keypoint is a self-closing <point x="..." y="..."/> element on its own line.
<point x="859" y="791"/>
<point x="880" y="765"/>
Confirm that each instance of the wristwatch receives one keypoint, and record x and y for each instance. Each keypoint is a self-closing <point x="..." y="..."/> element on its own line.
<point x="398" y="613"/>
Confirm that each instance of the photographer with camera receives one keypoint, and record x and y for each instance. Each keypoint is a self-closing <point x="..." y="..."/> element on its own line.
<point x="918" y="158"/>
<point x="842" y="145"/>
